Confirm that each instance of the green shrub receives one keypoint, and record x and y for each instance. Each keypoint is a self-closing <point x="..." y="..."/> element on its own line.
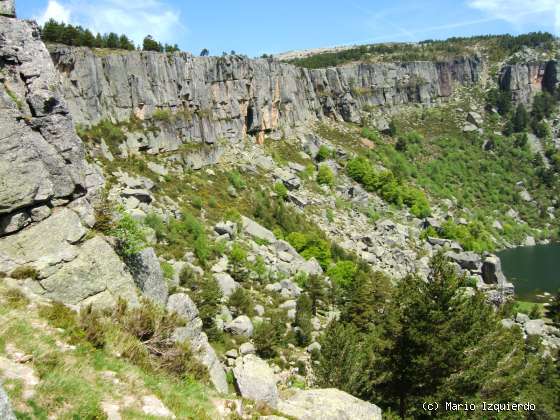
<point x="236" y="180"/>
<point x="15" y="298"/>
<point x="281" y="190"/>
<point x="370" y="134"/>
<point x="388" y="186"/>
<point x="129" y="234"/>
<point x="25" y="272"/>
<point x="241" y="302"/>
<point x="303" y="320"/>
<point x="325" y="176"/>
<point x="342" y="273"/>
<point x="167" y="269"/>
<point x="309" y="246"/>
<point x="164" y="115"/>
<point x="324" y="153"/>
<point x="266" y="338"/>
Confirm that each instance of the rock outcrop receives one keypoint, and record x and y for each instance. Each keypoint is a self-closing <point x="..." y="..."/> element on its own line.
<point x="43" y="160"/>
<point x="47" y="188"/>
<point x="227" y="97"/>
<point x="328" y="404"/>
<point x="182" y="305"/>
<point x="525" y="80"/>
<point x="256" y="380"/>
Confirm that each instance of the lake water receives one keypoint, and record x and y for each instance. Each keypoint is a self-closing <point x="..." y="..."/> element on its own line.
<point x="533" y="270"/>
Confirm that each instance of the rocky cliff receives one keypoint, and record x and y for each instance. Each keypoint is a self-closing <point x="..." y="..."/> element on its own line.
<point x="525" y="80"/>
<point x="229" y="97"/>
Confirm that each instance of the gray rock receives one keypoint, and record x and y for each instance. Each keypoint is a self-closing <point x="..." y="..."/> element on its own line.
<point x="43" y="159"/>
<point x="157" y="168"/>
<point x="467" y="260"/>
<point x="508" y="323"/>
<point x="254" y="229"/>
<point x="492" y="271"/>
<point x="247" y="348"/>
<point x="529" y="241"/>
<point x="241" y="325"/>
<point x="182" y="305"/>
<point x="327" y="404"/>
<point x="141" y="195"/>
<point x="311" y="267"/>
<point x="148" y="276"/>
<point x="259" y="310"/>
<point x="8" y="8"/>
<point x="256" y="381"/>
<point x="535" y="327"/>
<point x="216" y="86"/>
<point x="231" y="354"/>
<point x="96" y="276"/>
<point x="229" y="228"/>
<point x="521" y="318"/>
<point x="227" y="283"/>
<point x="6" y="412"/>
<point x="315" y="346"/>
<point x="475" y="118"/>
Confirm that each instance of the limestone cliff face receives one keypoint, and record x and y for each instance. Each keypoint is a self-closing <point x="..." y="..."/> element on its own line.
<point x="525" y="80"/>
<point x="46" y="184"/>
<point x="228" y="97"/>
<point x="42" y="160"/>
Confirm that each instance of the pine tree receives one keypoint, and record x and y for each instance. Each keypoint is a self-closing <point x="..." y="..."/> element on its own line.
<point x="150" y="44"/>
<point x="303" y="320"/>
<point x="520" y="119"/>
<point x="315" y="288"/>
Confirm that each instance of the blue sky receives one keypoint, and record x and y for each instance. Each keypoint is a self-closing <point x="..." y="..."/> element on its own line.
<point x="255" y="27"/>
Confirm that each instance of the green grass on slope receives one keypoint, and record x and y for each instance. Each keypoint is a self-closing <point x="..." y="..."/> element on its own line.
<point x="449" y="164"/>
<point x="75" y="378"/>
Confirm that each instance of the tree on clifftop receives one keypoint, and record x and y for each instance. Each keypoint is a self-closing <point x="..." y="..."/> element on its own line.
<point x="150" y="44"/>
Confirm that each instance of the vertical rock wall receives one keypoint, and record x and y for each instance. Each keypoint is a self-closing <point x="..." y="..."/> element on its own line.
<point x="228" y="97"/>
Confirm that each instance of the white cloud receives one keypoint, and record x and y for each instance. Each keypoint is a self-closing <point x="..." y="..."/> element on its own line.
<point x="135" y="18"/>
<point x="521" y="12"/>
<point x="55" y="11"/>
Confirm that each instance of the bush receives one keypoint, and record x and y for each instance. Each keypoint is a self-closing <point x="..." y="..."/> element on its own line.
<point x="370" y="134"/>
<point x="167" y="269"/>
<point x="323" y="154"/>
<point x="342" y="273"/>
<point x="164" y="115"/>
<point x="309" y="246"/>
<point x="303" y="320"/>
<point x="266" y="337"/>
<point x="25" y="272"/>
<point x="388" y="186"/>
<point x="130" y="236"/>
<point x="241" y="302"/>
<point x="281" y="190"/>
<point x="15" y="298"/>
<point x="325" y="176"/>
<point x="236" y="180"/>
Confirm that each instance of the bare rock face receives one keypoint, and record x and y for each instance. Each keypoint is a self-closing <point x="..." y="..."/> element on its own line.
<point x="525" y="80"/>
<point x="183" y="306"/>
<point x="228" y="97"/>
<point x="7" y="8"/>
<point x="47" y="188"/>
<point x="42" y="159"/>
<point x="328" y="404"/>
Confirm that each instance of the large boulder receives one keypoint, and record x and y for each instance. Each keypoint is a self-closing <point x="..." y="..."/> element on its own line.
<point x="327" y="404"/>
<point x="96" y="276"/>
<point x="466" y="260"/>
<point x="148" y="275"/>
<point x="6" y="412"/>
<point x="241" y="325"/>
<point x="182" y="305"/>
<point x="255" y="380"/>
<point x="492" y="271"/>
<point x="227" y="284"/>
<point x="254" y="229"/>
